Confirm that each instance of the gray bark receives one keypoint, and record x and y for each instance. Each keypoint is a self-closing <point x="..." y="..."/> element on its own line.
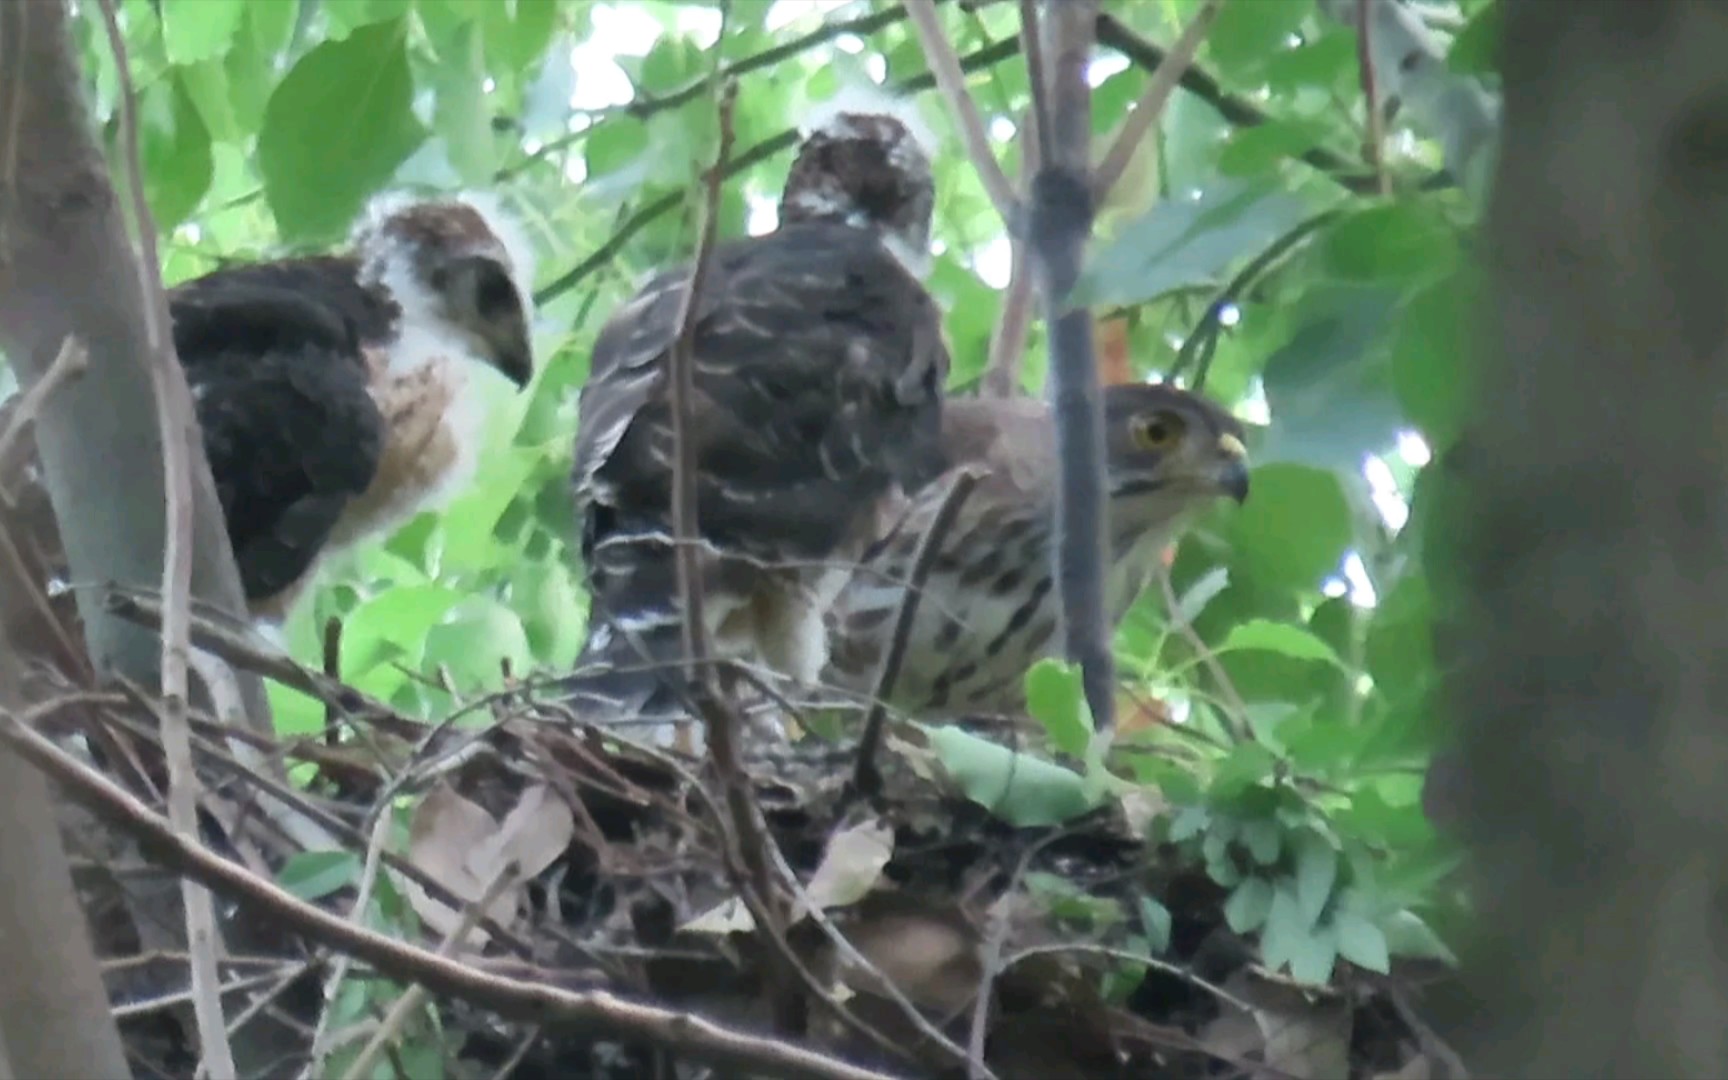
<point x="1592" y="691"/>
<point x="66" y="269"/>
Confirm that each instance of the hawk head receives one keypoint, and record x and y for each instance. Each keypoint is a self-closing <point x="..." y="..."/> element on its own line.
<point x="1170" y="450"/>
<point x="865" y="162"/>
<point x="461" y="271"/>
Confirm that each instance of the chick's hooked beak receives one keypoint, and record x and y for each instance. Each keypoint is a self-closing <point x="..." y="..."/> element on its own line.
<point x="1233" y="468"/>
<point x="485" y="302"/>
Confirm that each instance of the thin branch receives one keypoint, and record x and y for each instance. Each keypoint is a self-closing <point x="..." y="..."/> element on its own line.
<point x="1236" y="720"/>
<point x="951" y="81"/>
<point x="1001" y="376"/>
<point x="650" y="212"/>
<point x="510" y="998"/>
<point x="1150" y="107"/>
<point x="173" y="417"/>
<point x="1038" y="78"/>
<point x="681" y="401"/>
<point x="865" y="777"/>
<point x="1238" y="111"/>
<point x="1376" y="136"/>
<point x="642" y="108"/>
<point x="70" y="362"/>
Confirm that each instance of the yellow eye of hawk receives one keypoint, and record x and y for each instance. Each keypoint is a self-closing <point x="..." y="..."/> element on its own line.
<point x="1160" y="431"/>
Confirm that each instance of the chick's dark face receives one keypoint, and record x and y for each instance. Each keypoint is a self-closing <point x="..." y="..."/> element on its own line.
<point x="1159" y="439"/>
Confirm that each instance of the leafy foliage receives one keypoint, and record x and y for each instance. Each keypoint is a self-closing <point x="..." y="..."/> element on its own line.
<point x="1290" y="767"/>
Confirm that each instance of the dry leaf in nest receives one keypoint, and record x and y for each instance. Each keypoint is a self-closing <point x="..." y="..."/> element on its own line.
<point x="1300" y="1034"/>
<point x="1115" y="366"/>
<point x="931" y="956"/>
<point x="851" y="866"/>
<point x="458" y="843"/>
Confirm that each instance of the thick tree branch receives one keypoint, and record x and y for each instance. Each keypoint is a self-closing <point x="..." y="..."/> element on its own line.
<point x="66" y="270"/>
<point x="1061" y="224"/>
<point x="513" y="999"/>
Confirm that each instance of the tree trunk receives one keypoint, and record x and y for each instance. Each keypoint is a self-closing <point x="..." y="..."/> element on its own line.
<point x="66" y="268"/>
<point x="1592" y="690"/>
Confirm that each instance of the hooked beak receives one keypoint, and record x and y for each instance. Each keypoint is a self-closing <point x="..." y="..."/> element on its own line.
<point x="1233" y="468"/>
<point x="513" y="355"/>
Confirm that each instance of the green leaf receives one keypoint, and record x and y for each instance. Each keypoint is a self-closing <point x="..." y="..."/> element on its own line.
<point x="174" y="145"/>
<point x="392" y="624"/>
<point x="1188" y="823"/>
<point x="1329" y="387"/>
<point x="1018" y="788"/>
<point x="194" y="30"/>
<point x="1285" y="929"/>
<point x="1313" y="955"/>
<point x="207" y="85"/>
<point x="312" y="875"/>
<point x="1361" y="942"/>
<point x="1408" y="936"/>
<point x="1431" y="374"/>
<point x="1406" y="240"/>
<point x="1293" y="529"/>
<point x="1316" y="873"/>
<point x="347" y="16"/>
<point x="1199" y="594"/>
<point x="270" y="26"/>
<point x="1264" y="840"/>
<point x="474" y="640"/>
<point x="1246" y="765"/>
<point x="1055" y="699"/>
<point x="1155" y="918"/>
<point x="1292" y="641"/>
<point x="1245" y="36"/>
<point x="1188" y="242"/>
<point x="460" y="112"/>
<point x="1247" y="908"/>
<point x="294" y="713"/>
<point x="335" y="130"/>
<point x="1255" y="150"/>
<point x="1475" y="51"/>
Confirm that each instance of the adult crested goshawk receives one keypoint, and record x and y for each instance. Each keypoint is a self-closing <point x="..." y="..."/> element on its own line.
<point x="819" y="365"/>
<point x="331" y="390"/>
<point x="989" y="608"/>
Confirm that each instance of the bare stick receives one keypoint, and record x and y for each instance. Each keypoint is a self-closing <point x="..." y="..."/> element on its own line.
<point x="173" y="411"/>
<point x="1236" y="720"/>
<point x="864" y="775"/>
<point x="1038" y="77"/>
<point x="1008" y="339"/>
<point x="1150" y="106"/>
<point x="69" y="362"/>
<point x="951" y="81"/>
<point x="510" y="998"/>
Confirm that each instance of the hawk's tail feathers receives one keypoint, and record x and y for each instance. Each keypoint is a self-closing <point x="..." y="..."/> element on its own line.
<point x="630" y="676"/>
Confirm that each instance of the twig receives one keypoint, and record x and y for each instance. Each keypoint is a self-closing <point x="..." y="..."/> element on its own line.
<point x="1150" y="107"/>
<point x="512" y="999"/>
<point x="403" y="1007"/>
<point x="1130" y="958"/>
<point x="1201" y="343"/>
<point x="1038" y="79"/>
<point x="174" y="422"/>
<point x="333" y="672"/>
<point x="1237" y="723"/>
<point x="951" y="81"/>
<point x="69" y="363"/>
<point x="1376" y="137"/>
<point x="1001" y="376"/>
<point x="681" y="399"/>
<point x="865" y="776"/>
<point x="650" y="212"/>
<point x="642" y="108"/>
<point x="1238" y="111"/>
